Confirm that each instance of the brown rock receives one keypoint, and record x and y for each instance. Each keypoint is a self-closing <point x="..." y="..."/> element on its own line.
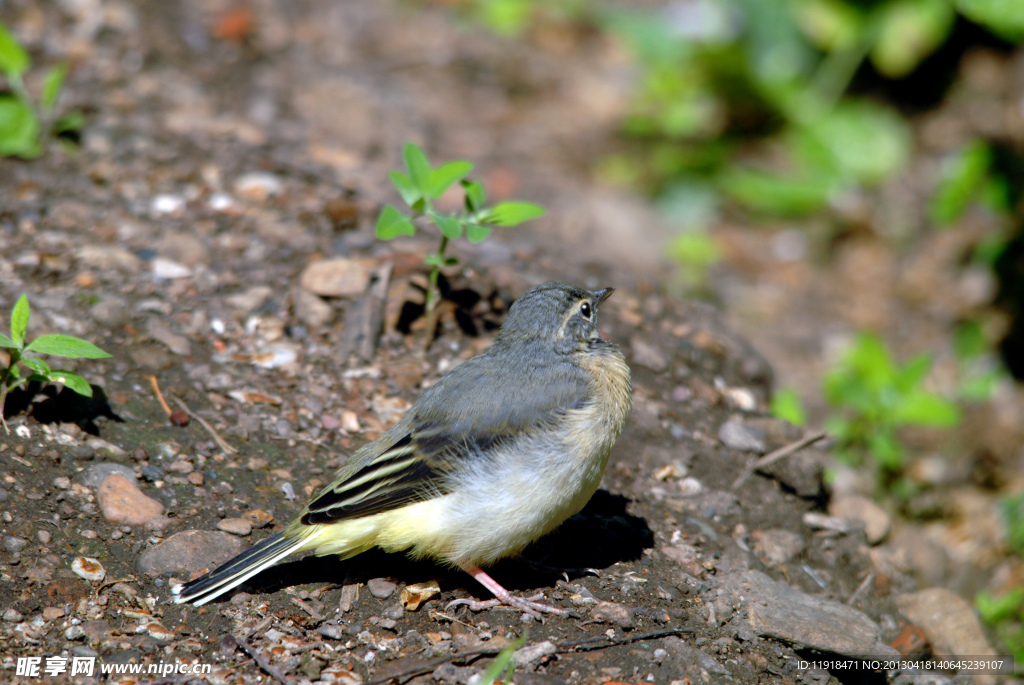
<point x="258" y="518"/>
<point x="337" y="277"/>
<point x="123" y="502"/>
<point x="235" y="526"/>
<point x="854" y="507"/>
<point x="948" y="621"/>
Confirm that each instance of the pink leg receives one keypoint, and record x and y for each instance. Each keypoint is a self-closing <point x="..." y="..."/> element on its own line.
<point x="527" y="605"/>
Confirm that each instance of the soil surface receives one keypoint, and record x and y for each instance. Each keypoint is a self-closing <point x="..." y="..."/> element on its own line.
<point x="230" y="147"/>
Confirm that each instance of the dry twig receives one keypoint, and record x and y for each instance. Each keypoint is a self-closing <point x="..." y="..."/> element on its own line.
<point x="159" y="395"/>
<point x="587" y="644"/>
<point x="263" y="662"/>
<point x="221" y="443"/>
<point x="775" y="456"/>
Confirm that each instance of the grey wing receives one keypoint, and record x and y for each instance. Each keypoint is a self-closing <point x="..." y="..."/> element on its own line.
<point x="461" y="416"/>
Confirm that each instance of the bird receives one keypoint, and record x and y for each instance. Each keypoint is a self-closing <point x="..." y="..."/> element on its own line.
<point x="494" y="455"/>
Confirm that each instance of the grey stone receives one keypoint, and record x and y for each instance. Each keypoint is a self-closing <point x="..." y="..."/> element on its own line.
<point x="739" y="436"/>
<point x="777" y="545"/>
<point x="332" y="631"/>
<point x="14" y="544"/>
<point x="189" y="551"/>
<point x="778" y="611"/>
<point x="857" y="508"/>
<point x="94" y="476"/>
<point x="381" y="588"/>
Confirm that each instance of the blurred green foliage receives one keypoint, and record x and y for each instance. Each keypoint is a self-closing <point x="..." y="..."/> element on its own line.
<point x="23" y="124"/>
<point x="873" y="396"/>
<point x="1005" y="613"/>
<point x="787" y="405"/>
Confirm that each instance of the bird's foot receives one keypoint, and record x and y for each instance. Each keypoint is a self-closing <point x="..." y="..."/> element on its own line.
<point x="527" y="605"/>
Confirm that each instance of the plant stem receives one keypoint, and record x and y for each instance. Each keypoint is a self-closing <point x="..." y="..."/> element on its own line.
<point x="433" y="295"/>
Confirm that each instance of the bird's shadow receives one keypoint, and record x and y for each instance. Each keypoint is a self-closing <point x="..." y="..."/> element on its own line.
<point x="596" y="538"/>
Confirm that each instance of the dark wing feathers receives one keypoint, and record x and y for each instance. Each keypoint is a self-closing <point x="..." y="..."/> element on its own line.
<point x="435" y="437"/>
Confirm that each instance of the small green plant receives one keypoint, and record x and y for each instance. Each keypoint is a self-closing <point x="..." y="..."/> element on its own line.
<point x="874" y="396"/>
<point x="504" y="664"/>
<point x="23" y="125"/>
<point x="54" y="345"/>
<point x="1013" y="515"/>
<point x="786" y="405"/>
<point x="421" y="186"/>
<point x="1005" y="613"/>
<point x="968" y="177"/>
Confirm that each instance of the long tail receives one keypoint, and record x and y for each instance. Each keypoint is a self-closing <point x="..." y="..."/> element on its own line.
<point x="262" y="555"/>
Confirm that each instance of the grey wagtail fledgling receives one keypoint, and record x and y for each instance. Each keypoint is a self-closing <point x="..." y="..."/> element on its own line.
<point x="497" y="453"/>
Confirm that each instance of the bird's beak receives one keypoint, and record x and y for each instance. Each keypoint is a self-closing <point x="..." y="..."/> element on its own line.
<point x="602" y="295"/>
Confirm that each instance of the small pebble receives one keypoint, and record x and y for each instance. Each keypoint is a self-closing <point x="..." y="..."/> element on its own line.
<point x="14" y="544"/>
<point x="122" y="502"/>
<point x="258" y="518"/>
<point x="235" y="526"/>
<point x="12" y="615"/>
<point x="44" y="537"/>
<point x="94" y="476"/>
<point x="332" y="631"/>
<point x="88" y="568"/>
<point x="381" y="588"/>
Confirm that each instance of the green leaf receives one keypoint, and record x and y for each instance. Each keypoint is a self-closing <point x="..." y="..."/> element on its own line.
<point x="961" y="183"/>
<point x="922" y="408"/>
<point x="695" y="248"/>
<point x="391" y="223"/>
<point x="405" y="187"/>
<point x="886" y="450"/>
<point x="477" y="233"/>
<point x="71" y="380"/>
<point x="8" y="343"/>
<point x="13" y="58"/>
<point x="66" y="346"/>
<point x="19" y="320"/>
<point x="419" y="168"/>
<point x="513" y="213"/>
<point x="994" y="609"/>
<point x="1013" y="512"/>
<point x="476" y="197"/>
<point x="777" y="193"/>
<point x="830" y="24"/>
<point x="72" y="121"/>
<point x="51" y="86"/>
<point x="859" y="141"/>
<point x="19" y="129"/>
<point x="433" y="259"/>
<point x="786" y="405"/>
<point x="909" y="31"/>
<point x="910" y="375"/>
<point x="451" y="228"/>
<point x="442" y="178"/>
<point x="1005" y="17"/>
<point x="36" y="364"/>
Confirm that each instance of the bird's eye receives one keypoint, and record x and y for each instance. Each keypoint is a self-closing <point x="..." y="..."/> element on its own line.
<point x="585" y="311"/>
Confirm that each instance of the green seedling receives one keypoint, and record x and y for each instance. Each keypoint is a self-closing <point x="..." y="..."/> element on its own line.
<point x="1005" y="613"/>
<point x="24" y="354"/>
<point x="24" y="124"/>
<point x="873" y="396"/>
<point x="504" y="664"/>
<point x="421" y="186"/>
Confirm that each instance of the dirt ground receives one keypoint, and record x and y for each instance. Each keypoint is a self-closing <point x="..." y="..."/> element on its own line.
<point x="217" y="164"/>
